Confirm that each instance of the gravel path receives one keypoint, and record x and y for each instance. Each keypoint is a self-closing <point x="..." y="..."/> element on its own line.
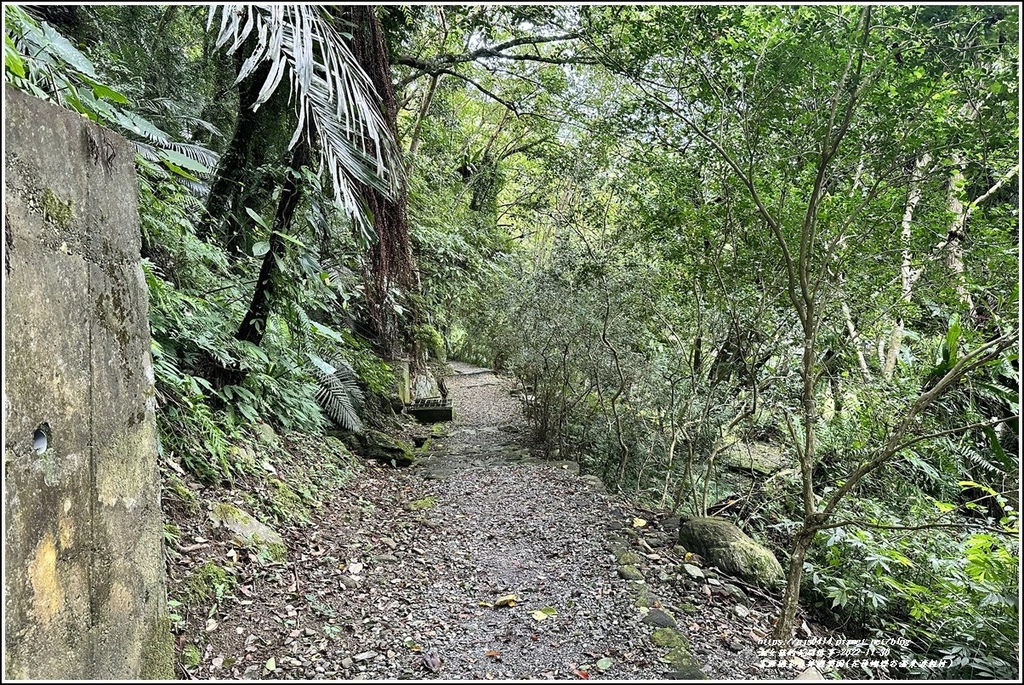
<point x="478" y="563"/>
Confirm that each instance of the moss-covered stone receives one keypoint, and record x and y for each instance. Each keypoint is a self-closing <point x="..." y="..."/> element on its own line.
<point x="627" y="558"/>
<point x="761" y="458"/>
<point x="630" y="572"/>
<point x="57" y="211"/>
<point x="644" y="599"/>
<point x="191" y="656"/>
<point x="287" y="504"/>
<point x="249" y="532"/>
<point x="208" y="581"/>
<point x="678" y="655"/>
<point x="183" y="493"/>
<point x="385" y="449"/>
<point x="724" y="545"/>
<point x="669" y="637"/>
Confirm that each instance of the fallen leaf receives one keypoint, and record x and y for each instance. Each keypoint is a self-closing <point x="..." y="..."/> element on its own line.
<point x="271" y="665"/>
<point x="493" y="654"/>
<point x="506" y="601"/>
<point x="354" y="568"/>
<point x="583" y="674"/>
<point x="485" y="604"/>
<point x="545" y="613"/>
<point x="604" y="663"/>
<point x="639" y="523"/>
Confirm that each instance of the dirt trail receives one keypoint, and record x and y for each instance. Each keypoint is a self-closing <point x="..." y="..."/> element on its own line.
<point x="411" y="573"/>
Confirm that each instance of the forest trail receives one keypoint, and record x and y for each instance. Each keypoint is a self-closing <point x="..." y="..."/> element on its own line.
<point x="481" y="563"/>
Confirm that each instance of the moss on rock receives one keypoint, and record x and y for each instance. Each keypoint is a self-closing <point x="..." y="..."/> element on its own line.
<point x="724" y="545"/>
<point x="208" y="581"/>
<point x="249" y="532"/>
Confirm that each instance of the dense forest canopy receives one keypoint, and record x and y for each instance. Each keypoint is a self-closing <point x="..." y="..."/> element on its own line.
<point x="684" y="228"/>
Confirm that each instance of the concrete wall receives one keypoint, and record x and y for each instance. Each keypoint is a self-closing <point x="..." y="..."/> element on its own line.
<point x="84" y="594"/>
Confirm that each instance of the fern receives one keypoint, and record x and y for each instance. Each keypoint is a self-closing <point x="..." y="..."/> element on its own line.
<point x="338" y="391"/>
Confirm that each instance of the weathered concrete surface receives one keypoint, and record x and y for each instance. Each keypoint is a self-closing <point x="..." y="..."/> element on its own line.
<point x="84" y="593"/>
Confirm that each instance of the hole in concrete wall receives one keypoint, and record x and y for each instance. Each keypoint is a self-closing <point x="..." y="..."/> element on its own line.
<point x="41" y="438"/>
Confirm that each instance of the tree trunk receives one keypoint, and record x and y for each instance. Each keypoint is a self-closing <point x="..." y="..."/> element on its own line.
<point x="957" y="233"/>
<point x="260" y="138"/>
<point x="390" y="263"/>
<point x="791" y="597"/>
<point x="908" y="276"/>
<point x="254" y="325"/>
<point x="428" y="98"/>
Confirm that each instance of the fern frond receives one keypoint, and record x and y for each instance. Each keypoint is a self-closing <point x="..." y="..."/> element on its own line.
<point x="338" y="391"/>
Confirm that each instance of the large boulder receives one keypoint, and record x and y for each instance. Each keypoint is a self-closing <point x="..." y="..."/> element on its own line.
<point x="724" y="545"/>
<point x="759" y="458"/>
<point x="381" y="447"/>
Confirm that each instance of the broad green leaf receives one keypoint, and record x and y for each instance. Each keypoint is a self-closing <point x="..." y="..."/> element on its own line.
<point x="993" y="441"/>
<point x="261" y="248"/>
<point x="61" y="47"/>
<point x="256" y="217"/>
<point x="12" y="59"/>
<point x="101" y="90"/>
<point x="604" y="663"/>
<point x="179" y="171"/>
<point x="291" y="239"/>
<point x="182" y="161"/>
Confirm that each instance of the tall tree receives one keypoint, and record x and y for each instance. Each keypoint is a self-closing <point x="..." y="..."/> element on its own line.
<point x="390" y="268"/>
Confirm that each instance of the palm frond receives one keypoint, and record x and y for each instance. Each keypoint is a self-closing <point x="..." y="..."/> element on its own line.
<point x="334" y="98"/>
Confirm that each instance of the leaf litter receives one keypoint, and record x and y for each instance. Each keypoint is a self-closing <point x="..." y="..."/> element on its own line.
<point x="376" y="589"/>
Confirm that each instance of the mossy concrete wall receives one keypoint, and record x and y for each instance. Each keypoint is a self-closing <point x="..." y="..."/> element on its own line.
<point x="84" y="593"/>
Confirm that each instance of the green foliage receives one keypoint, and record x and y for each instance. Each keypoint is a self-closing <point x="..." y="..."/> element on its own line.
<point x="338" y="393"/>
<point x="429" y="340"/>
<point x="210" y="582"/>
<point x="41" y="61"/>
<point x="952" y="595"/>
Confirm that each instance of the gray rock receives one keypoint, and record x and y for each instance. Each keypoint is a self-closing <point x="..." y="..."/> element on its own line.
<point x="724" y="545"/>
<point x="656" y="540"/>
<point x="693" y="571"/>
<point x="659" y="619"/>
<point x="691" y="672"/>
<point x="810" y="674"/>
<point x="248" y="532"/>
<point x="741" y="611"/>
<point x="760" y="458"/>
<point x="735" y="592"/>
<point x="630" y="572"/>
<point x="266" y="434"/>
